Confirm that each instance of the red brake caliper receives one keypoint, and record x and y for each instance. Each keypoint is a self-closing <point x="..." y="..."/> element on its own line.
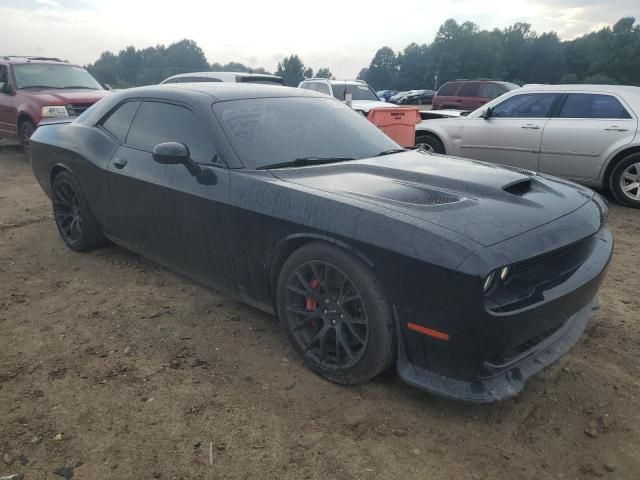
<point x="311" y="303"/>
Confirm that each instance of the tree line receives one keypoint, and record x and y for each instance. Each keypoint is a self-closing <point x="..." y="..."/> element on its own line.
<point x="132" y="67"/>
<point x="516" y="54"/>
<point x="459" y="50"/>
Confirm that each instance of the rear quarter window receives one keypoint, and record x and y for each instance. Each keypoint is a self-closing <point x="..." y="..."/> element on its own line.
<point x="119" y="121"/>
<point x="448" y="89"/>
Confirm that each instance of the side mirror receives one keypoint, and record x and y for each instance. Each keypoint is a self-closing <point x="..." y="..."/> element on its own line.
<point x="174" y="153"/>
<point x="488" y="113"/>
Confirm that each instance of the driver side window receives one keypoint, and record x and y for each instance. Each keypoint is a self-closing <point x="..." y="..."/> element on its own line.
<point x="157" y="122"/>
<point x="529" y="105"/>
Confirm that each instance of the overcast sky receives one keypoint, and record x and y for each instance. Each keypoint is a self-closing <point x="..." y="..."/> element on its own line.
<point x="342" y="35"/>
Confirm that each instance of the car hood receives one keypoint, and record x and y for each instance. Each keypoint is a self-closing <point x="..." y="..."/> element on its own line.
<point x="64" y="97"/>
<point x="366" y="105"/>
<point x="483" y="202"/>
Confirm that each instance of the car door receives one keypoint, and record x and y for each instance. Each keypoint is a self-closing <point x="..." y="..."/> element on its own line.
<point x="587" y="130"/>
<point x="512" y="134"/>
<point x="164" y="211"/>
<point x="8" y="112"/>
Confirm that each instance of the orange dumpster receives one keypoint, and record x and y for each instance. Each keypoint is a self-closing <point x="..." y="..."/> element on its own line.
<point x="399" y="123"/>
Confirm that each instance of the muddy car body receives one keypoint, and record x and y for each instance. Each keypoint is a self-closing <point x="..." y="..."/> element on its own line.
<point x="471" y="277"/>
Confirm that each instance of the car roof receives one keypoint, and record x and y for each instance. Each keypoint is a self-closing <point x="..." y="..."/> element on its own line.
<point x="19" y="59"/>
<point x="335" y="82"/>
<point x="220" y="91"/>
<point x="585" y="88"/>
<point x="222" y="75"/>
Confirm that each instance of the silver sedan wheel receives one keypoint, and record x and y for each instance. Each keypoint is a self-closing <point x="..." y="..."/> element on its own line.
<point x="630" y="181"/>
<point x="426" y="147"/>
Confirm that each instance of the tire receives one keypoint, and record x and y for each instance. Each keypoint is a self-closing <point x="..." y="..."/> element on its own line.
<point x="624" y="181"/>
<point x="328" y="304"/>
<point x="24" y="133"/>
<point x="430" y="142"/>
<point x="76" y="224"/>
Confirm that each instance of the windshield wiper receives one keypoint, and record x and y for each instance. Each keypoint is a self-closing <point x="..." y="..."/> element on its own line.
<point x="79" y="87"/>
<point x="303" y="161"/>
<point x="391" y="151"/>
<point x="36" y="86"/>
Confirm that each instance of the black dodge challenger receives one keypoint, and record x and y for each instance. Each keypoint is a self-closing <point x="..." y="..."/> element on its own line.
<point x="468" y="276"/>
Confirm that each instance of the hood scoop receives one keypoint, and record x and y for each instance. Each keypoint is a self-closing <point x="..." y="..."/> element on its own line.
<point x="407" y="193"/>
<point x="519" y="188"/>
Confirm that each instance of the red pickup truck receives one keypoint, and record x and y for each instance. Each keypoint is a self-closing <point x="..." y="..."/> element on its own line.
<point x="33" y="88"/>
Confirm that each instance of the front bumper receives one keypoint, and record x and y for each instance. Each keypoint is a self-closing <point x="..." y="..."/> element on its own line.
<point x="490" y="356"/>
<point x="507" y="382"/>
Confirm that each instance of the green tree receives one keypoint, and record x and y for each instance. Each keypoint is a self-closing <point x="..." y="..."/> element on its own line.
<point x="325" y="73"/>
<point x="293" y="71"/>
<point x="105" y="69"/>
<point x="383" y="70"/>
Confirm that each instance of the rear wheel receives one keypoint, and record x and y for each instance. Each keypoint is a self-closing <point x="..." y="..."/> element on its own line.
<point x="335" y="314"/>
<point x="26" y="130"/>
<point x="76" y="224"/>
<point x="430" y="143"/>
<point x="624" y="181"/>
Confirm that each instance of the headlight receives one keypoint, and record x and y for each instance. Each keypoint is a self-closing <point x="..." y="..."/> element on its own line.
<point x="504" y="273"/>
<point x="54" y="112"/>
<point x="488" y="282"/>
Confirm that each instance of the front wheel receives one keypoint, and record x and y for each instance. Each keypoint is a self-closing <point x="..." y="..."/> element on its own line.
<point x="26" y="130"/>
<point x="625" y="181"/>
<point x="335" y="314"/>
<point x="430" y="143"/>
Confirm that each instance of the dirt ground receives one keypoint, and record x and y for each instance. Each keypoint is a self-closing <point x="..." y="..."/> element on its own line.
<point x="114" y="367"/>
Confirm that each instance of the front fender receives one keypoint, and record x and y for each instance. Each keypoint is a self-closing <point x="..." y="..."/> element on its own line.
<point x="449" y="135"/>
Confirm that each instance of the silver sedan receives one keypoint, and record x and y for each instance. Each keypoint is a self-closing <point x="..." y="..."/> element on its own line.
<point x="585" y="133"/>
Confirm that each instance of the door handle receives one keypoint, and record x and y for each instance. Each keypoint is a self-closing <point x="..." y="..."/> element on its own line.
<point x="615" y="128"/>
<point x="120" y="163"/>
<point x="531" y="126"/>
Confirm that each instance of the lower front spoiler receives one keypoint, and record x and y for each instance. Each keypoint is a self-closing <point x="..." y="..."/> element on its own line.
<point x="507" y="382"/>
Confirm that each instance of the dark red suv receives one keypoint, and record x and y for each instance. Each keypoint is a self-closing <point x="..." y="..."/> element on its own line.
<point x="469" y="94"/>
<point x="33" y="88"/>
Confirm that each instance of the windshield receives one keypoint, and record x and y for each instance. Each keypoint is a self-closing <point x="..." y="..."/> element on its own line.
<point x="268" y="131"/>
<point x="262" y="80"/>
<point x="46" y="75"/>
<point x="357" y="91"/>
<point x="510" y="86"/>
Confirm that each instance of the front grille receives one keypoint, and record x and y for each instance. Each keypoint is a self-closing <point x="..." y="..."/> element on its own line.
<point x="524" y="347"/>
<point x="76" y="109"/>
<point x="541" y="260"/>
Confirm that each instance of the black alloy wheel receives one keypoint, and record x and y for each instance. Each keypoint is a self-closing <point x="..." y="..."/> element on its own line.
<point x="76" y="224"/>
<point x="335" y="313"/>
<point x="326" y="314"/>
<point x="66" y="207"/>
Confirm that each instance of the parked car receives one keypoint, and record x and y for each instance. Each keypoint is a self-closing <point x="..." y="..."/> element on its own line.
<point x="399" y="95"/>
<point x="414" y="97"/>
<point x="585" y="133"/>
<point x="431" y="114"/>
<point x="470" y="94"/>
<point x="385" y="95"/>
<point x="362" y="95"/>
<point x="233" y="77"/>
<point x="369" y="254"/>
<point x="33" y="88"/>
